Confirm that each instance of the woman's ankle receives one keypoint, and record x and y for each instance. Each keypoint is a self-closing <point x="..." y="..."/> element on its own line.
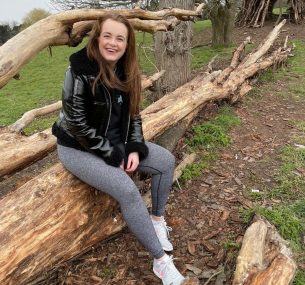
<point x="156" y="218"/>
<point x="162" y="258"/>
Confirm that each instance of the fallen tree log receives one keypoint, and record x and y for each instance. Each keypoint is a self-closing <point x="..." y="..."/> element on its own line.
<point x="57" y="29"/>
<point x="54" y="216"/>
<point x="18" y="151"/>
<point x="33" y="148"/>
<point x="29" y="117"/>
<point x="51" y="218"/>
<point x="264" y="258"/>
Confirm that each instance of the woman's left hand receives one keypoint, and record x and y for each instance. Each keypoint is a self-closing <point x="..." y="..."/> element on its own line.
<point x="133" y="162"/>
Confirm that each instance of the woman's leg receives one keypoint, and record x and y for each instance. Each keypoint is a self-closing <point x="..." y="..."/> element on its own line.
<point x="160" y="163"/>
<point x="115" y="182"/>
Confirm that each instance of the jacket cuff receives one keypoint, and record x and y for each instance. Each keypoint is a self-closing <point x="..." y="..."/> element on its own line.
<point x="116" y="157"/>
<point x="139" y="147"/>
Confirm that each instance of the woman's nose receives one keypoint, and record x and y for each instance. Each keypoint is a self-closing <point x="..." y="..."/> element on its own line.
<point x="112" y="41"/>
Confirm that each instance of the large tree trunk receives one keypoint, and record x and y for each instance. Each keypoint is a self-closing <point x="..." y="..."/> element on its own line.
<point x="222" y="18"/>
<point x="173" y="50"/>
<point x="54" y="216"/>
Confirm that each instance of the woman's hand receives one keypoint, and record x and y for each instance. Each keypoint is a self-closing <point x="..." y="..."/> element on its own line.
<point x="133" y="162"/>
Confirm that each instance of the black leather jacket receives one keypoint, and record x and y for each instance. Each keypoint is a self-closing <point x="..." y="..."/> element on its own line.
<point x="84" y="119"/>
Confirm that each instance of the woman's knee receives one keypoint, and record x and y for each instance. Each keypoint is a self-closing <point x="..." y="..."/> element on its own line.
<point x="167" y="160"/>
<point x="165" y="157"/>
<point x="129" y="195"/>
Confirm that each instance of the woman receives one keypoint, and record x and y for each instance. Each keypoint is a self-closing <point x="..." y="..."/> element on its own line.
<point x="100" y="138"/>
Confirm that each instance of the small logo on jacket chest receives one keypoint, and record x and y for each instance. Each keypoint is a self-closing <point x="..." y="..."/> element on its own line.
<point x="119" y="99"/>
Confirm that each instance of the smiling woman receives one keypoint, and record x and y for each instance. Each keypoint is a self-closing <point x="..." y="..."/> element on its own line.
<point x="100" y="136"/>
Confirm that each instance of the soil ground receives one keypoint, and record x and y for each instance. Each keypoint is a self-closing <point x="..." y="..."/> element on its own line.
<point x="205" y="213"/>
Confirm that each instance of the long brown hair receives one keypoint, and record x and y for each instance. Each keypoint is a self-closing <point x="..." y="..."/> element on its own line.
<point x="132" y="81"/>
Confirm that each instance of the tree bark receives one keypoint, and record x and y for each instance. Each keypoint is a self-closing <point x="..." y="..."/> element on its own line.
<point x="18" y="151"/>
<point x="222" y="18"/>
<point x="173" y="51"/>
<point x="264" y="258"/>
<point x="54" y="216"/>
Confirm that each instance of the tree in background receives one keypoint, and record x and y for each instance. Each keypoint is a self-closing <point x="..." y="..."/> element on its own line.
<point x="34" y="16"/>
<point x="7" y="31"/>
<point x="222" y="14"/>
<point x="173" y="50"/>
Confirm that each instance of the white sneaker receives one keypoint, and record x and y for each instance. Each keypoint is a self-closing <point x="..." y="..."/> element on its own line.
<point x="167" y="271"/>
<point x="162" y="231"/>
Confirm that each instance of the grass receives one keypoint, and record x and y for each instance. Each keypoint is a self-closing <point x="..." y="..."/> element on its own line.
<point x="207" y="138"/>
<point x="40" y="84"/>
<point x="231" y="245"/>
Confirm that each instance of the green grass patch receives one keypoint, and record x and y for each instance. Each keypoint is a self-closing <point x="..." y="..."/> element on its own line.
<point x="207" y="138"/>
<point x="231" y="245"/>
<point x="40" y="84"/>
<point x="299" y="278"/>
<point x="193" y="170"/>
<point x="213" y="134"/>
<point x="203" y="55"/>
<point x="41" y="124"/>
<point x="287" y="222"/>
<point x="300" y="125"/>
<point x="106" y="273"/>
<point x="290" y="178"/>
<point x="200" y="26"/>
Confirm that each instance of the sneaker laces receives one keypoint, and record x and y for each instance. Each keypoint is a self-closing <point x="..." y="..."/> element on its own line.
<point x="167" y="263"/>
<point x="168" y="229"/>
<point x="168" y="272"/>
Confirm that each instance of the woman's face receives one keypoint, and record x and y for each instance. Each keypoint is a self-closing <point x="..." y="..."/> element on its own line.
<point x="113" y="41"/>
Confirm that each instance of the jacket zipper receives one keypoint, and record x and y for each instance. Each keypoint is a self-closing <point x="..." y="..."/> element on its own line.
<point x="127" y="129"/>
<point x="109" y="100"/>
<point x="109" y="97"/>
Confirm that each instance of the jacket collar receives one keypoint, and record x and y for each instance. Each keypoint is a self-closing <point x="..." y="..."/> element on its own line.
<point x="81" y="64"/>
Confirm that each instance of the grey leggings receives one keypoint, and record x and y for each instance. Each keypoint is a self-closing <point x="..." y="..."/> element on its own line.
<point x="115" y="182"/>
